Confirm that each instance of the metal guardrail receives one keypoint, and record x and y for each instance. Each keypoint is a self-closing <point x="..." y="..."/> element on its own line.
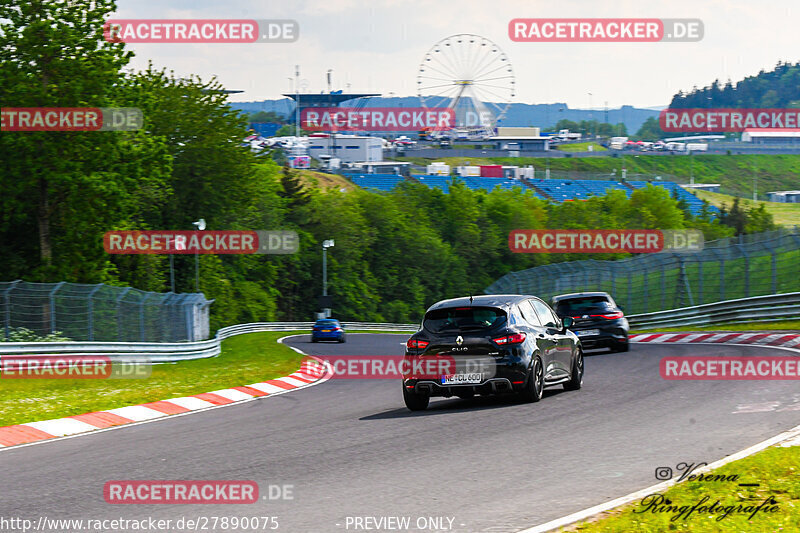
<point x="754" y="309"/>
<point x="151" y="352"/>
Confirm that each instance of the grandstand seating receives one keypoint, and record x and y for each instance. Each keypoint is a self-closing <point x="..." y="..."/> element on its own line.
<point x="383" y="182"/>
<point x="558" y="190"/>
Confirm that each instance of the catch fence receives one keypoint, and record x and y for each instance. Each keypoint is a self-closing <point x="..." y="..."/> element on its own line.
<point x="726" y="269"/>
<point x="102" y="312"/>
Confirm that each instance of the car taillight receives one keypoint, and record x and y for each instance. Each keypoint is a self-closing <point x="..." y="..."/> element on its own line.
<point x="516" y="338"/>
<point x="612" y="316"/>
<point x="416" y="344"/>
<point x="337" y="329"/>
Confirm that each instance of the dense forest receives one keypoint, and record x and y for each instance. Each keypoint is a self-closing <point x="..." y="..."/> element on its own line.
<point x="778" y="88"/>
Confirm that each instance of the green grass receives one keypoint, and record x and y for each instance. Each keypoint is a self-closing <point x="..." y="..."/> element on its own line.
<point x="244" y="359"/>
<point x="782" y="325"/>
<point x="776" y="470"/>
<point x="783" y="214"/>
<point x="580" y="147"/>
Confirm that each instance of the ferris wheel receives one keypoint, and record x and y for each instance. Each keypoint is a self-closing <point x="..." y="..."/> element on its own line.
<point x="471" y="75"/>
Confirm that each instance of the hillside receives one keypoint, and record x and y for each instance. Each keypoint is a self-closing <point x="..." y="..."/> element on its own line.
<point x="322" y="180"/>
<point x="778" y="88"/>
<point x="784" y="214"/>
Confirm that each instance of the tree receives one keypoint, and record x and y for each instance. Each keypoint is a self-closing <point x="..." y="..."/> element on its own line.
<point x="67" y="188"/>
<point x="650" y="130"/>
<point x="267" y="116"/>
<point x="288" y="130"/>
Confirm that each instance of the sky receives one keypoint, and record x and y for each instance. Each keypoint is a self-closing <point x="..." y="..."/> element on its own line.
<point x="378" y="45"/>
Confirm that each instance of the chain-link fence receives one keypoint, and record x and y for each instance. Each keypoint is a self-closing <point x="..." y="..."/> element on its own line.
<point x="103" y="312"/>
<point x="736" y="267"/>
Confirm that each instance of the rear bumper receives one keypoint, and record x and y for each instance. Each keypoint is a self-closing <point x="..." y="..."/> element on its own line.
<point x="331" y="336"/>
<point x="506" y="378"/>
<point x="606" y="339"/>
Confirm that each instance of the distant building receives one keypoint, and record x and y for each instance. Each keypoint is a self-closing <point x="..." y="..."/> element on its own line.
<point x="348" y="148"/>
<point x="265" y="129"/>
<point x="396" y="168"/>
<point x="788" y="197"/>
<point x="710" y="187"/>
<point x="771" y="136"/>
<point x="521" y="143"/>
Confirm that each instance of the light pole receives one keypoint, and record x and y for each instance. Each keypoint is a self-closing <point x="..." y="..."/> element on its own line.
<point x="591" y="114"/>
<point x="201" y="225"/>
<point x="325" y="245"/>
<point x="297" y="101"/>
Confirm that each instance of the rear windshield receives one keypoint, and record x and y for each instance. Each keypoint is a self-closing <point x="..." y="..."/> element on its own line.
<point x="581" y="306"/>
<point x="464" y="319"/>
<point x="326" y="323"/>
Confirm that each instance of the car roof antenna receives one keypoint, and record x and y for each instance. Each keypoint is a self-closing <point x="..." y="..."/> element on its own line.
<point x="470" y="298"/>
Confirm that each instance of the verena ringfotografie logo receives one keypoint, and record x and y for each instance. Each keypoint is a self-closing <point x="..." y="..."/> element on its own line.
<point x="71" y="367"/>
<point x="70" y="119"/>
<point x="730" y="368"/>
<point x="376" y="118"/>
<point x="728" y="120"/>
<point x="605" y="30"/>
<point x="201" y="242"/>
<point x="201" y="31"/>
<point x="597" y="241"/>
<point x="180" y="492"/>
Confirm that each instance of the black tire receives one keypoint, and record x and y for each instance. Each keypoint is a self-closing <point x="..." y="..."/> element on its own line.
<point x="621" y="347"/>
<point x="534" y="385"/>
<point x="414" y="401"/>
<point x="576" y="379"/>
<point x="313" y="339"/>
<point x="341" y="339"/>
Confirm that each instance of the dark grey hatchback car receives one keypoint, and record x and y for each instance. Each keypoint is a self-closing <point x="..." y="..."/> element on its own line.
<point x="491" y="344"/>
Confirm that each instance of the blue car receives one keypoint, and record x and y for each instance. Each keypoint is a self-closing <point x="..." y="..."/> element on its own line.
<point x="327" y="329"/>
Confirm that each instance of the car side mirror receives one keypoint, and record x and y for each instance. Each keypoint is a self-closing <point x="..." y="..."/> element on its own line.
<point x="566" y="323"/>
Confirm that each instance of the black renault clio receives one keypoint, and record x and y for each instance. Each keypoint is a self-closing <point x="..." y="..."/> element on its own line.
<point x="490" y="344"/>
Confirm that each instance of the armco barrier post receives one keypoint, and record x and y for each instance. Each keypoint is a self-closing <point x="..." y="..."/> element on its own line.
<point x="7" y="304"/>
<point x="90" y="309"/>
<point x="53" y="305"/>
<point x="119" y="318"/>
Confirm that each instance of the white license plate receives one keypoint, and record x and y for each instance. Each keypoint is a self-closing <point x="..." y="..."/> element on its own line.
<point x="588" y="332"/>
<point x="462" y="379"/>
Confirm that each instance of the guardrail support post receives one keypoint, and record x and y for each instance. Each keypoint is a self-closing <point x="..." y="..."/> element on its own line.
<point x="141" y="315"/>
<point x="119" y="321"/>
<point x="53" y="305"/>
<point x="90" y="308"/>
<point x="7" y="305"/>
<point x="700" y="281"/>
